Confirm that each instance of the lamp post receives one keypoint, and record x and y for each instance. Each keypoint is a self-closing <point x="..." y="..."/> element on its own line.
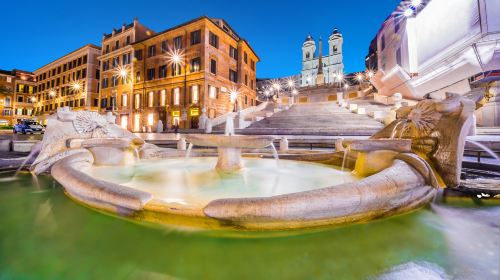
<point x="177" y="58"/>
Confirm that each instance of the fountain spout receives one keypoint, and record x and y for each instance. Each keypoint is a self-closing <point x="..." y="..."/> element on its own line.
<point x="229" y="147"/>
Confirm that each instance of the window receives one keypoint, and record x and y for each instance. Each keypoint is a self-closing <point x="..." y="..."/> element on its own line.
<point x="104" y="103"/>
<point x="246" y="80"/>
<point x="164" y="46"/>
<point x="382" y="42"/>
<point x="195" y="37"/>
<point x="128" y="41"/>
<point x="252" y="64"/>
<point x="213" y="66"/>
<point x="214" y="40"/>
<point x="137" y="101"/>
<point x="195" y="64"/>
<point x="163" y="97"/>
<point x="151" y="50"/>
<point x="398" y="56"/>
<point x="112" y="102"/>
<point x="151" y="97"/>
<point x="117" y="45"/>
<point x="138" y="76"/>
<point x="178" y="42"/>
<point x="245" y="57"/>
<point x="107" y="49"/>
<point x="151" y="74"/>
<point x="233" y="52"/>
<point x="176" y="69"/>
<point x="246" y="100"/>
<point x="105" y="83"/>
<point x="19" y="99"/>
<point x="126" y="58"/>
<point x="162" y="71"/>
<point x="84" y="74"/>
<point x="194" y="94"/>
<point x="116" y="61"/>
<point x="114" y="81"/>
<point x="233" y="76"/>
<point x="105" y="65"/>
<point x="138" y="54"/>
<point x="124" y="100"/>
<point x="85" y="59"/>
<point x="177" y="96"/>
<point x="212" y="92"/>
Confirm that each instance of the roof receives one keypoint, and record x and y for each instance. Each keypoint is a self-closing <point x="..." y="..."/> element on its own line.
<point x="195" y="20"/>
<point x="308" y="38"/>
<point x="6" y="72"/>
<point x="336" y="31"/>
<point x="88" y="45"/>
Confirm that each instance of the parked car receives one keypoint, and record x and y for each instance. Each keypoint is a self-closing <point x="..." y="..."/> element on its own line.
<point x="29" y="126"/>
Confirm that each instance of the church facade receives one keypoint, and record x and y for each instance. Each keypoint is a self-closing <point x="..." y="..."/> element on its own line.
<point x="318" y="69"/>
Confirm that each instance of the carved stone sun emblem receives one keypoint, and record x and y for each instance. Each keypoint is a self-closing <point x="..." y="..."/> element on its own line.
<point x="421" y="120"/>
<point x="86" y="121"/>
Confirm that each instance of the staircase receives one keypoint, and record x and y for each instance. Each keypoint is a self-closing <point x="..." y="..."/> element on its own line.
<point x="318" y="118"/>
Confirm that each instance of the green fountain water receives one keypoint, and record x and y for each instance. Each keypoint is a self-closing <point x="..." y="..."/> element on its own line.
<point x="44" y="235"/>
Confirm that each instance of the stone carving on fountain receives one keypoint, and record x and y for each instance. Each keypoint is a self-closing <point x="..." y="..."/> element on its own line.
<point x="438" y="131"/>
<point x="68" y="131"/>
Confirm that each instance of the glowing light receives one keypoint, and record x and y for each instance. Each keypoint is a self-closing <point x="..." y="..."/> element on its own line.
<point x="175" y="57"/>
<point x="340" y="77"/>
<point x="233" y="94"/>
<point x="75" y="86"/>
<point x="33" y="99"/>
<point x="370" y="74"/>
<point x="416" y="3"/>
<point x="122" y="71"/>
<point x="359" y="77"/>
<point x="291" y="83"/>
<point x="52" y="93"/>
<point x="295" y="92"/>
<point x="346" y="86"/>
<point x="408" y="12"/>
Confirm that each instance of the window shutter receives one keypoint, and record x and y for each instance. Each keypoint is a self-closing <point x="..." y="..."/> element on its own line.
<point x="172" y="97"/>
<point x="190" y="94"/>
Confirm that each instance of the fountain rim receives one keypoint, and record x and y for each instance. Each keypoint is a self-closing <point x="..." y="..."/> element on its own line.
<point x="304" y="206"/>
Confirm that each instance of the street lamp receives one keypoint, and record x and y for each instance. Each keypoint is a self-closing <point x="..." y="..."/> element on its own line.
<point x="233" y="95"/>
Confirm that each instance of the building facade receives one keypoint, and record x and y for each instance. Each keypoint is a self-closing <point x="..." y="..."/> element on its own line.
<point x="16" y="95"/>
<point x="328" y="66"/>
<point x="7" y="85"/>
<point x="116" y="68"/>
<point x="426" y="51"/>
<point x="186" y="70"/>
<point x="72" y="80"/>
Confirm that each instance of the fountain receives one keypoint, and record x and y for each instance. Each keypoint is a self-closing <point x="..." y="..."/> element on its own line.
<point x="391" y="175"/>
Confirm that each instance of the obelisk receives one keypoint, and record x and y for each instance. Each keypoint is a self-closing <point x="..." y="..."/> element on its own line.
<point x="320" y="78"/>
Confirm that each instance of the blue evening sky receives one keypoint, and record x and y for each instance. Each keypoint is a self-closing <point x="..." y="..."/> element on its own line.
<point x="37" y="32"/>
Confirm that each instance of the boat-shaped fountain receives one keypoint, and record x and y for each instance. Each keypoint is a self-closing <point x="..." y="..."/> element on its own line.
<point x="110" y="169"/>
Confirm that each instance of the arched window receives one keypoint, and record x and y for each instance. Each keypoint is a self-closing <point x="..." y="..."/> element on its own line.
<point x="334" y="48"/>
<point x="308" y="55"/>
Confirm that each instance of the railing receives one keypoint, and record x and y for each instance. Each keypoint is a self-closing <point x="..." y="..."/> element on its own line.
<point x="241" y="124"/>
<point x="478" y="154"/>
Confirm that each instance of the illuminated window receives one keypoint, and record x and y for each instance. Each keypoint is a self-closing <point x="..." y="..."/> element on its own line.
<point x="137" y="122"/>
<point x="137" y="101"/>
<point x="150" y="99"/>
<point x="177" y="96"/>
<point x="212" y="92"/>
<point x="124" y="100"/>
<point x="150" y="118"/>
<point x="195" y="95"/>
<point x="163" y="97"/>
<point x="124" y="122"/>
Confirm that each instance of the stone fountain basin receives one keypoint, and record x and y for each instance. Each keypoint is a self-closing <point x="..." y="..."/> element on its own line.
<point x="397" y="189"/>
<point x="233" y="141"/>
